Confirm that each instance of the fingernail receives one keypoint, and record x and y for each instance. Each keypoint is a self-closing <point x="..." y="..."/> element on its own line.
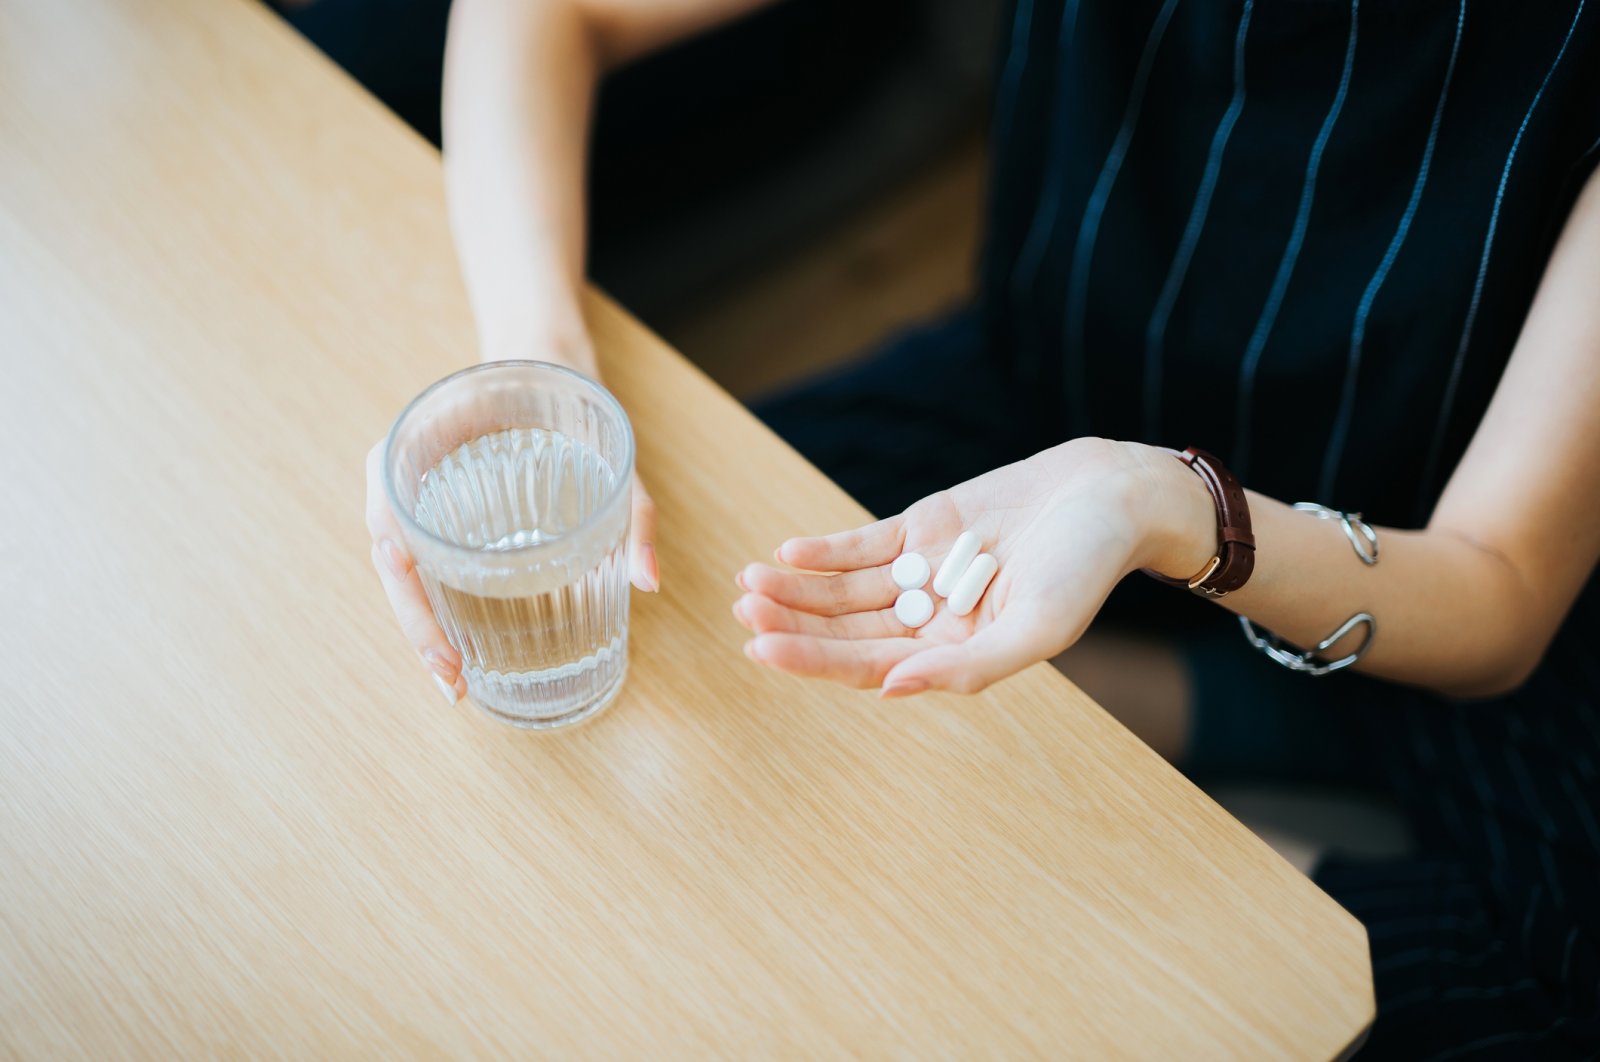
<point x="738" y="610"/>
<point x="445" y="688"/>
<point x="441" y="665"/>
<point x="903" y="688"/>
<point x="649" y="568"/>
<point x="739" y="579"/>
<point x="751" y="651"/>
<point x="393" y="557"/>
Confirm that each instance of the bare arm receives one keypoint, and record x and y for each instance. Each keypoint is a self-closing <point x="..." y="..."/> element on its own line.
<point x="520" y="79"/>
<point x="519" y="88"/>
<point x="1465" y="607"/>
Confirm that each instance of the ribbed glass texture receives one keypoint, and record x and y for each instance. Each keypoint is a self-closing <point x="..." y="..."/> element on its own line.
<point x="512" y="484"/>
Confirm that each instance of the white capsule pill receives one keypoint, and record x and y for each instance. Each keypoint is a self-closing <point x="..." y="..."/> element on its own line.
<point x="910" y="571"/>
<point x="955" y="565"/>
<point x="964" y="598"/>
<point x="913" y="608"/>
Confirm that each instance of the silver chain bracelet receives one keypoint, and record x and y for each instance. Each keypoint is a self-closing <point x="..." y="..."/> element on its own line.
<point x="1364" y="540"/>
<point x="1305" y="660"/>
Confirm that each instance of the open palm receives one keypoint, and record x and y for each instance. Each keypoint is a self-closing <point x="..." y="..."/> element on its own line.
<point x="1060" y="525"/>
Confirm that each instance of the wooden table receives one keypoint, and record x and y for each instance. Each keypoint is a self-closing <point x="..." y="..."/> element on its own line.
<point x="234" y="816"/>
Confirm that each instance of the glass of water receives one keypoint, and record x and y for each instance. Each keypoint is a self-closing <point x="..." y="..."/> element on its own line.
<point x="511" y="481"/>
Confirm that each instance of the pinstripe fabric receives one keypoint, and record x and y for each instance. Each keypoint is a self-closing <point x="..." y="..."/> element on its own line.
<point x="1590" y="153"/>
<point x="1041" y="230"/>
<point x="1089" y="228"/>
<point x="1251" y="362"/>
<point x="1162" y="266"/>
<point x="1009" y="87"/>
<point x="1011" y="76"/>
<point x="1156" y="331"/>
<point x="1358" y="333"/>
<point x="1441" y="423"/>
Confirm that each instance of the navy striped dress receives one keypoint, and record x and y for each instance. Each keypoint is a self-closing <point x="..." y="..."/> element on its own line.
<point x="1304" y="235"/>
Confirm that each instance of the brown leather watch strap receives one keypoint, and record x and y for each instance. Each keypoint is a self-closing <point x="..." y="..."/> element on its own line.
<point x="1236" y="545"/>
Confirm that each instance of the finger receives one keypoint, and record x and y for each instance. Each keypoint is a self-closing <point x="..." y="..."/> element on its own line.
<point x="864" y="547"/>
<point x="644" y="568"/>
<point x="415" y="616"/>
<point x="402" y="586"/>
<point x="762" y="615"/>
<point x="853" y="662"/>
<point x="866" y="590"/>
<point x="1019" y="636"/>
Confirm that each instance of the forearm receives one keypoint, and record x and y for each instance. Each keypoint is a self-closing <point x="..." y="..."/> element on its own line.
<point x="1467" y="606"/>
<point x="1453" y="615"/>
<point x="519" y="87"/>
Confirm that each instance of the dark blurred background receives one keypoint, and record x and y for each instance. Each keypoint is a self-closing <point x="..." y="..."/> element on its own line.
<point x="774" y="197"/>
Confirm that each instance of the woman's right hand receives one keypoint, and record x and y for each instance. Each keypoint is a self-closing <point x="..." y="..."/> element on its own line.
<point x="397" y="571"/>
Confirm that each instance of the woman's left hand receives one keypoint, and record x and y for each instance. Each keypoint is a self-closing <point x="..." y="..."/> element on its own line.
<point x="1066" y="525"/>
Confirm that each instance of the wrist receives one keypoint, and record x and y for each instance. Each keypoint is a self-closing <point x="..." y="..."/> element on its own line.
<point x="569" y="351"/>
<point x="553" y="333"/>
<point x="1178" y="518"/>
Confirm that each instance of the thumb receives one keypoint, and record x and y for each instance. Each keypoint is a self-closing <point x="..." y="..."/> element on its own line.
<point x="1022" y="634"/>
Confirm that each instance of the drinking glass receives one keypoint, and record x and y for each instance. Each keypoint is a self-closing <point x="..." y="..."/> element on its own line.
<point x="510" y="482"/>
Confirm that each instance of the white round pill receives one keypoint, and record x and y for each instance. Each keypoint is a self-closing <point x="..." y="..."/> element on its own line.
<point x="910" y="571"/>
<point x="913" y="608"/>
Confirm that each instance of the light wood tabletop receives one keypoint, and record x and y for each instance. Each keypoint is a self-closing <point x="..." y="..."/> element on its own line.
<point x="235" y="817"/>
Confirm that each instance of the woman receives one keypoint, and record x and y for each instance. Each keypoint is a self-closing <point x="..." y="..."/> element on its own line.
<point x="1351" y="250"/>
